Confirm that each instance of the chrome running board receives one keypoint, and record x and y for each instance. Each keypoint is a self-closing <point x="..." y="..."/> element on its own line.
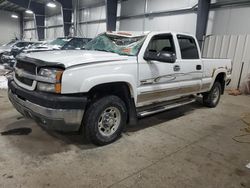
<point x="165" y="107"/>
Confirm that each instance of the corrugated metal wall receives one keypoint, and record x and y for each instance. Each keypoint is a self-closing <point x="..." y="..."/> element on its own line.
<point x="30" y="32"/>
<point x="9" y="27"/>
<point x="234" y="47"/>
<point x="179" y="22"/>
<point x="55" y="27"/>
<point x="92" y="14"/>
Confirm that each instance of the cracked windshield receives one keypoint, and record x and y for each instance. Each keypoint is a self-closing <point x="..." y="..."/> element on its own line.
<point x="122" y="45"/>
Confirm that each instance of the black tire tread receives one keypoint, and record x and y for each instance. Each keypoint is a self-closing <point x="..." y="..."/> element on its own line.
<point x="92" y="114"/>
<point x="207" y="97"/>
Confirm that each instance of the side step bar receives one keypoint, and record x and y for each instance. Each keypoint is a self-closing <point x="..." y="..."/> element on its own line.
<point x="158" y="109"/>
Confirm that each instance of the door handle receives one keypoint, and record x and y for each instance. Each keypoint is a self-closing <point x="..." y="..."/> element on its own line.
<point x="177" y="68"/>
<point x="198" y="67"/>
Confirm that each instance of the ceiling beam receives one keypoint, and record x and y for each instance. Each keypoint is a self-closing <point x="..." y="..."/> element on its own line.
<point x="111" y="14"/>
<point x="202" y="19"/>
<point x="67" y="9"/>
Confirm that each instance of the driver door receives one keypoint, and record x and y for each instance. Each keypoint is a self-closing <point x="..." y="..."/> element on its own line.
<point x="157" y="80"/>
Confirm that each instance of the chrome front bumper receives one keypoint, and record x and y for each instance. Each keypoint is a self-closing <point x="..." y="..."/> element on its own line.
<point x="55" y="119"/>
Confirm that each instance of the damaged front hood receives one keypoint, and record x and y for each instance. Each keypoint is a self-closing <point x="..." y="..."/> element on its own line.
<point x="69" y="58"/>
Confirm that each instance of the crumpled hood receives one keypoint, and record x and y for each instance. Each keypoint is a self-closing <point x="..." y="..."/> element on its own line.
<point x="73" y="57"/>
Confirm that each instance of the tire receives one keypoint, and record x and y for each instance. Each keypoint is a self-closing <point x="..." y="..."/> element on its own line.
<point x="104" y="120"/>
<point x="212" y="98"/>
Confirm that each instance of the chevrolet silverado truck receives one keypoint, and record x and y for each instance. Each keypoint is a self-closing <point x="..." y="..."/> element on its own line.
<point x="118" y="78"/>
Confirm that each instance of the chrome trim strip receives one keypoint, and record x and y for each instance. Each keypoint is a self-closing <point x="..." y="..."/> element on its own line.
<point x="158" y="95"/>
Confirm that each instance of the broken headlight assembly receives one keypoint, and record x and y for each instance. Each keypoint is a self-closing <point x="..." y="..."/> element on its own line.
<point x="49" y="80"/>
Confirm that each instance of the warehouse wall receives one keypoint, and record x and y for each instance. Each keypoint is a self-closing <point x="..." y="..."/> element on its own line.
<point x="91" y="14"/>
<point x="94" y="14"/>
<point x="30" y="32"/>
<point x="10" y="26"/>
<point x="183" y="23"/>
<point x="229" y="37"/>
<point x="229" y="21"/>
<point x="55" y="27"/>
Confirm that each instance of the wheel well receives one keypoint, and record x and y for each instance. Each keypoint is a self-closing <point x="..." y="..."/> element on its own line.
<point x="120" y="89"/>
<point x="221" y="79"/>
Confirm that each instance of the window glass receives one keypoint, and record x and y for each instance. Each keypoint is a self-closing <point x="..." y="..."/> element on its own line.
<point x="161" y="43"/>
<point x="188" y="47"/>
<point x="76" y="43"/>
<point x="21" y="44"/>
<point x="60" y="41"/>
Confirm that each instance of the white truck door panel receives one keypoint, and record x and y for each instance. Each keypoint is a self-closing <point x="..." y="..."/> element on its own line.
<point x="191" y="67"/>
<point x="157" y="80"/>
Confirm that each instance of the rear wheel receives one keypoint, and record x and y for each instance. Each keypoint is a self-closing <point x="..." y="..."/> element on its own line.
<point x="212" y="98"/>
<point x="104" y="120"/>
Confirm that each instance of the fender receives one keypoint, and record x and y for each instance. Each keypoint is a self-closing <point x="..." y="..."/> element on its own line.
<point x="82" y="82"/>
<point x="216" y="73"/>
<point x="104" y="79"/>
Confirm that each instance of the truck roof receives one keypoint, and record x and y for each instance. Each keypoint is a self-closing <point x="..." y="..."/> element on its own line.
<point x="143" y="33"/>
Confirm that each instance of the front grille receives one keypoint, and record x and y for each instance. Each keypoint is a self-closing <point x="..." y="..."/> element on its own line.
<point x="26" y="81"/>
<point x="26" y="66"/>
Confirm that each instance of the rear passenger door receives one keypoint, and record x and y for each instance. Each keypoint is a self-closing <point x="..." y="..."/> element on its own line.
<point x="191" y="69"/>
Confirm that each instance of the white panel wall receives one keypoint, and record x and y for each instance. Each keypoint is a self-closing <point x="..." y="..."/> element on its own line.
<point x="52" y="33"/>
<point x="30" y="34"/>
<point x="54" y="20"/>
<point x="234" y="47"/>
<point x="230" y="38"/>
<point x="91" y="14"/>
<point x="9" y="27"/>
<point x="229" y="21"/>
<point x="183" y="23"/>
<point x="131" y="7"/>
<point x="94" y="14"/>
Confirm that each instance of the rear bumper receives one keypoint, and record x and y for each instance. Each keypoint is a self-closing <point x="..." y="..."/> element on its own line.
<point x="59" y="116"/>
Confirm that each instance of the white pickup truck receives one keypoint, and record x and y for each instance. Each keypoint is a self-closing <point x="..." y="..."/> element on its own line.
<point x="116" y="79"/>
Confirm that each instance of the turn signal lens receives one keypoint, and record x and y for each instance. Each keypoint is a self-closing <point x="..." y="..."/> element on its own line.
<point x="58" y="88"/>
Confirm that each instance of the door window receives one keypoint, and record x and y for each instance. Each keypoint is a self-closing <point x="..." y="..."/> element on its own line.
<point x="188" y="47"/>
<point x="161" y="43"/>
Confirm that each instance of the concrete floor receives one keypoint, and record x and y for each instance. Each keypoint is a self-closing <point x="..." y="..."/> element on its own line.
<point x="190" y="146"/>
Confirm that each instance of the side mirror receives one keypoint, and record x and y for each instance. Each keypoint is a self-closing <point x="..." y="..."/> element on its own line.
<point x="163" y="56"/>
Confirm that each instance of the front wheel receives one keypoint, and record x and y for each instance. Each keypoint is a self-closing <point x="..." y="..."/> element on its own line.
<point x="104" y="120"/>
<point x="212" y="98"/>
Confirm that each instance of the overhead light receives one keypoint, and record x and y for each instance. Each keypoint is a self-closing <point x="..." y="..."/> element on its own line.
<point x="51" y="5"/>
<point x="29" y="11"/>
<point x="14" y="16"/>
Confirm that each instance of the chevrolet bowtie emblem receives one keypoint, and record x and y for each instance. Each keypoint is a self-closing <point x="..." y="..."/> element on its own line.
<point x="19" y="72"/>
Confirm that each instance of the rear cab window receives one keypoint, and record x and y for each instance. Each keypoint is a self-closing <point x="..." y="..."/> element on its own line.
<point x="188" y="47"/>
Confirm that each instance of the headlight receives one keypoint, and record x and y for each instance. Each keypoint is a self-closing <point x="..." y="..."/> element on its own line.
<point x="49" y="80"/>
